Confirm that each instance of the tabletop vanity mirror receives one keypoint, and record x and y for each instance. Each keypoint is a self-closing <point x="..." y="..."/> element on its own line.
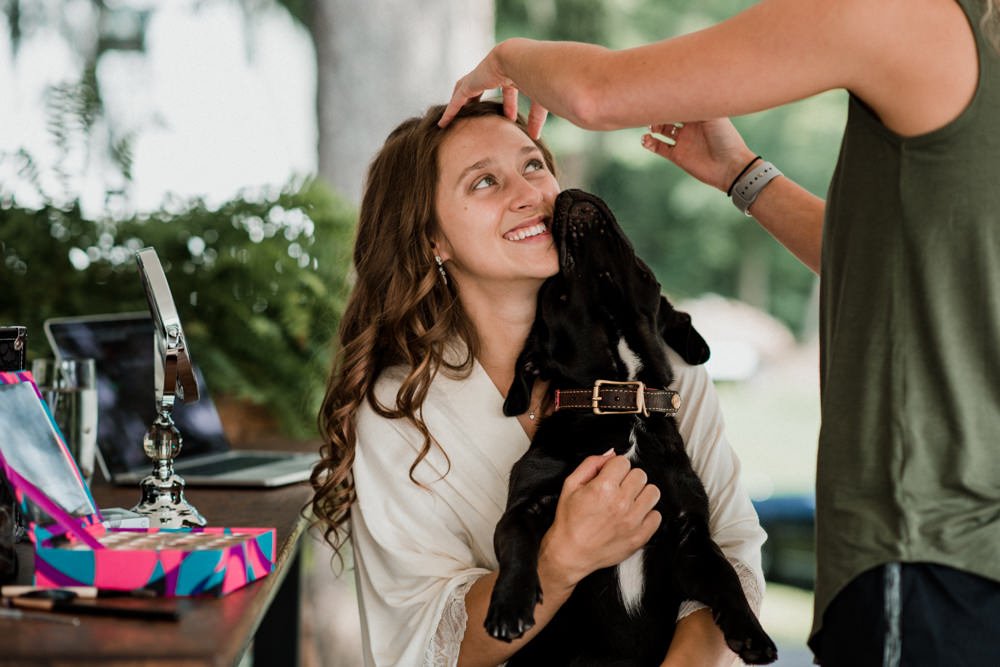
<point x="163" y="489"/>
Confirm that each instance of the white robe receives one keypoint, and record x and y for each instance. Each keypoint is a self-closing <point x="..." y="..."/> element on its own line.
<point x="417" y="549"/>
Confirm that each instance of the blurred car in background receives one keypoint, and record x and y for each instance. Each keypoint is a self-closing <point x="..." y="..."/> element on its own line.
<point x="789" y="554"/>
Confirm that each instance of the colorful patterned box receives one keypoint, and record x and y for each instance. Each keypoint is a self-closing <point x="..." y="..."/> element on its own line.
<point x="170" y="561"/>
<point x="78" y="550"/>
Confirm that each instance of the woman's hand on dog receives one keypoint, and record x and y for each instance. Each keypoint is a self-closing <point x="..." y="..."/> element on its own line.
<point x="605" y="514"/>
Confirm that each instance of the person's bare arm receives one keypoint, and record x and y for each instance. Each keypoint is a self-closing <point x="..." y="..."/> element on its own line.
<point x="794" y="216"/>
<point x="478" y="648"/>
<point x="773" y="53"/>
<point x="698" y="642"/>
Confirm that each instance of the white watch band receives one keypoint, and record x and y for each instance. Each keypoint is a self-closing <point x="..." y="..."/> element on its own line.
<point x="747" y="188"/>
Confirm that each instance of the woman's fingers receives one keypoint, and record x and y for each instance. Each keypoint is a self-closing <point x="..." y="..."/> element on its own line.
<point x="633" y="483"/>
<point x="588" y="469"/>
<point x="649" y="525"/>
<point x="646" y="501"/>
<point x="605" y="512"/>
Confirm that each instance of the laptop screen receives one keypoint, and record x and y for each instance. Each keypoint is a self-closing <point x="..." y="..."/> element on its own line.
<point x="122" y="346"/>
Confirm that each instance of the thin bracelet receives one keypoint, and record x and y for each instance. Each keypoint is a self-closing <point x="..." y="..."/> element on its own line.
<point x="729" y="192"/>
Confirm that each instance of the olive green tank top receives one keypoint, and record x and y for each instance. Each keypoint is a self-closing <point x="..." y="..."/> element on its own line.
<point x="909" y="455"/>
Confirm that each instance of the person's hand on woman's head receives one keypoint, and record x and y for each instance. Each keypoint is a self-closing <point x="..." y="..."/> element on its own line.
<point x="488" y="75"/>
<point x="604" y="515"/>
<point x="712" y="151"/>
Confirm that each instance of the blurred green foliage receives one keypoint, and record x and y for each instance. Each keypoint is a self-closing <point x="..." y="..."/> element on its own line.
<point x="260" y="280"/>
<point x="259" y="283"/>
<point x="691" y="235"/>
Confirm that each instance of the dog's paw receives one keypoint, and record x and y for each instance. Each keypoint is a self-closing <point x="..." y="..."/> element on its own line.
<point x="757" y="650"/>
<point x="747" y="638"/>
<point x="511" y="615"/>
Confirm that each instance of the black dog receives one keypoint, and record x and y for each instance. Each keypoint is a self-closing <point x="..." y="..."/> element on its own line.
<point x="602" y="318"/>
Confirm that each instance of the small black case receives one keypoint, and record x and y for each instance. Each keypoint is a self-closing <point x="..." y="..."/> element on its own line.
<point x="13" y="348"/>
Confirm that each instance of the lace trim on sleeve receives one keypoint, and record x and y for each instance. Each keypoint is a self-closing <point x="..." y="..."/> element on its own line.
<point x="751" y="589"/>
<point x="442" y="651"/>
<point x="753" y="586"/>
<point x="689" y="607"/>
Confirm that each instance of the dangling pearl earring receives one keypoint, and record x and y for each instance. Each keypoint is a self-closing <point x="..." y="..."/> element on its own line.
<point x="440" y="263"/>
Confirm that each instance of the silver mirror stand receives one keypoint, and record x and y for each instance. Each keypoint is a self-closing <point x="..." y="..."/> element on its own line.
<point x="163" y="489"/>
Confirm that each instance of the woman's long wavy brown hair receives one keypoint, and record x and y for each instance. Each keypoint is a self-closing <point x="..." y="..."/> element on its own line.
<point x="400" y="312"/>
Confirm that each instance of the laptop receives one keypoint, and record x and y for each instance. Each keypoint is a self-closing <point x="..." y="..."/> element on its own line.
<point x="122" y="346"/>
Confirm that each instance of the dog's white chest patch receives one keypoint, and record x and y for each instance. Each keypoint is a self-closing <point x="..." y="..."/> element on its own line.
<point x="631" y="576"/>
<point x="631" y="360"/>
<point x="633" y="446"/>
<point x="632" y="581"/>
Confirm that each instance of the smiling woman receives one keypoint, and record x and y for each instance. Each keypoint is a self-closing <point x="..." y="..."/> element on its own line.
<point x="453" y="245"/>
<point x="492" y="214"/>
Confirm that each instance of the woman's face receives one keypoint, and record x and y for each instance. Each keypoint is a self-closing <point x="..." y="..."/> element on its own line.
<point x="494" y="202"/>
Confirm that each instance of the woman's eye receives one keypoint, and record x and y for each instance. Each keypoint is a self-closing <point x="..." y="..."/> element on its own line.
<point x="484" y="182"/>
<point x="534" y="165"/>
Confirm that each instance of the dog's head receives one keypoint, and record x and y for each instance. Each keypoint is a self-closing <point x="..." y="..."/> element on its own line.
<point x="603" y="313"/>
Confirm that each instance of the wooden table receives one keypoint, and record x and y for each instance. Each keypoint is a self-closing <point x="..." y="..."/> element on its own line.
<point x="211" y="631"/>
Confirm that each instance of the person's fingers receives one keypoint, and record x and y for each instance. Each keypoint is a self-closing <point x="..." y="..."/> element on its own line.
<point x="647" y="499"/>
<point x="654" y="145"/>
<point x="509" y="102"/>
<point x="536" y="119"/>
<point x="588" y="469"/>
<point x="649" y="525"/>
<point x="613" y="472"/>
<point x="459" y="98"/>
<point x="633" y="483"/>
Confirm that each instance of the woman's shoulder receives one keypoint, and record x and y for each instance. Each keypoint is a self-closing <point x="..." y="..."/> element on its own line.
<point x="445" y="392"/>
<point x="444" y="384"/>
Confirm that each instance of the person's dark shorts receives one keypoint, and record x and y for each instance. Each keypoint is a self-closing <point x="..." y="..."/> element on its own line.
<point x="912" y="615"/>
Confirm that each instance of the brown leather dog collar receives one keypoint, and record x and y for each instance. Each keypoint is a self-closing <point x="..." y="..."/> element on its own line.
<point x="612" y="397"/>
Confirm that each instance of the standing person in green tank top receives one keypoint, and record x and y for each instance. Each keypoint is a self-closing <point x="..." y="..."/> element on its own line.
<point x="907" y="245"/>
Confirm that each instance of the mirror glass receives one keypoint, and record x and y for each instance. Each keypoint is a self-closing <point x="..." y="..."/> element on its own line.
<point x="31" y="447"/>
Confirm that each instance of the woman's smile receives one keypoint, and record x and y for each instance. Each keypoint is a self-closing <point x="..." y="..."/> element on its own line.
<point x="531" y="231"/>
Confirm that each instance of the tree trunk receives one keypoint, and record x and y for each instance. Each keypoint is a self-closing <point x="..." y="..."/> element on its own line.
<point x="378" y="62"/>
<point x="382" y="61"/>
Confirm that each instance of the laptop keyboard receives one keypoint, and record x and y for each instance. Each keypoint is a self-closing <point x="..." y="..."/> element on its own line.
<point x="229" y="465"/>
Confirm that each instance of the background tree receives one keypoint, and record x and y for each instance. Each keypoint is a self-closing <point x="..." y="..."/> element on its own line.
<point x="381" y="61"/>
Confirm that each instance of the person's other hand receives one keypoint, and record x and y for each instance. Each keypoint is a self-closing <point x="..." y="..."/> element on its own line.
<point x="712" y="151"/>
<point x="604" y="515"/>
<point x="488" y="75"/>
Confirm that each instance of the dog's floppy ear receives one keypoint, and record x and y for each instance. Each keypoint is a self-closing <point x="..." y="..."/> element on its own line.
<point x="678" y="332"/>
<point x="519" y="394"/>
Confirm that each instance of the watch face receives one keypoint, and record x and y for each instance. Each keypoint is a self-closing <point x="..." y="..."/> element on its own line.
<point x="172" y="361"/>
